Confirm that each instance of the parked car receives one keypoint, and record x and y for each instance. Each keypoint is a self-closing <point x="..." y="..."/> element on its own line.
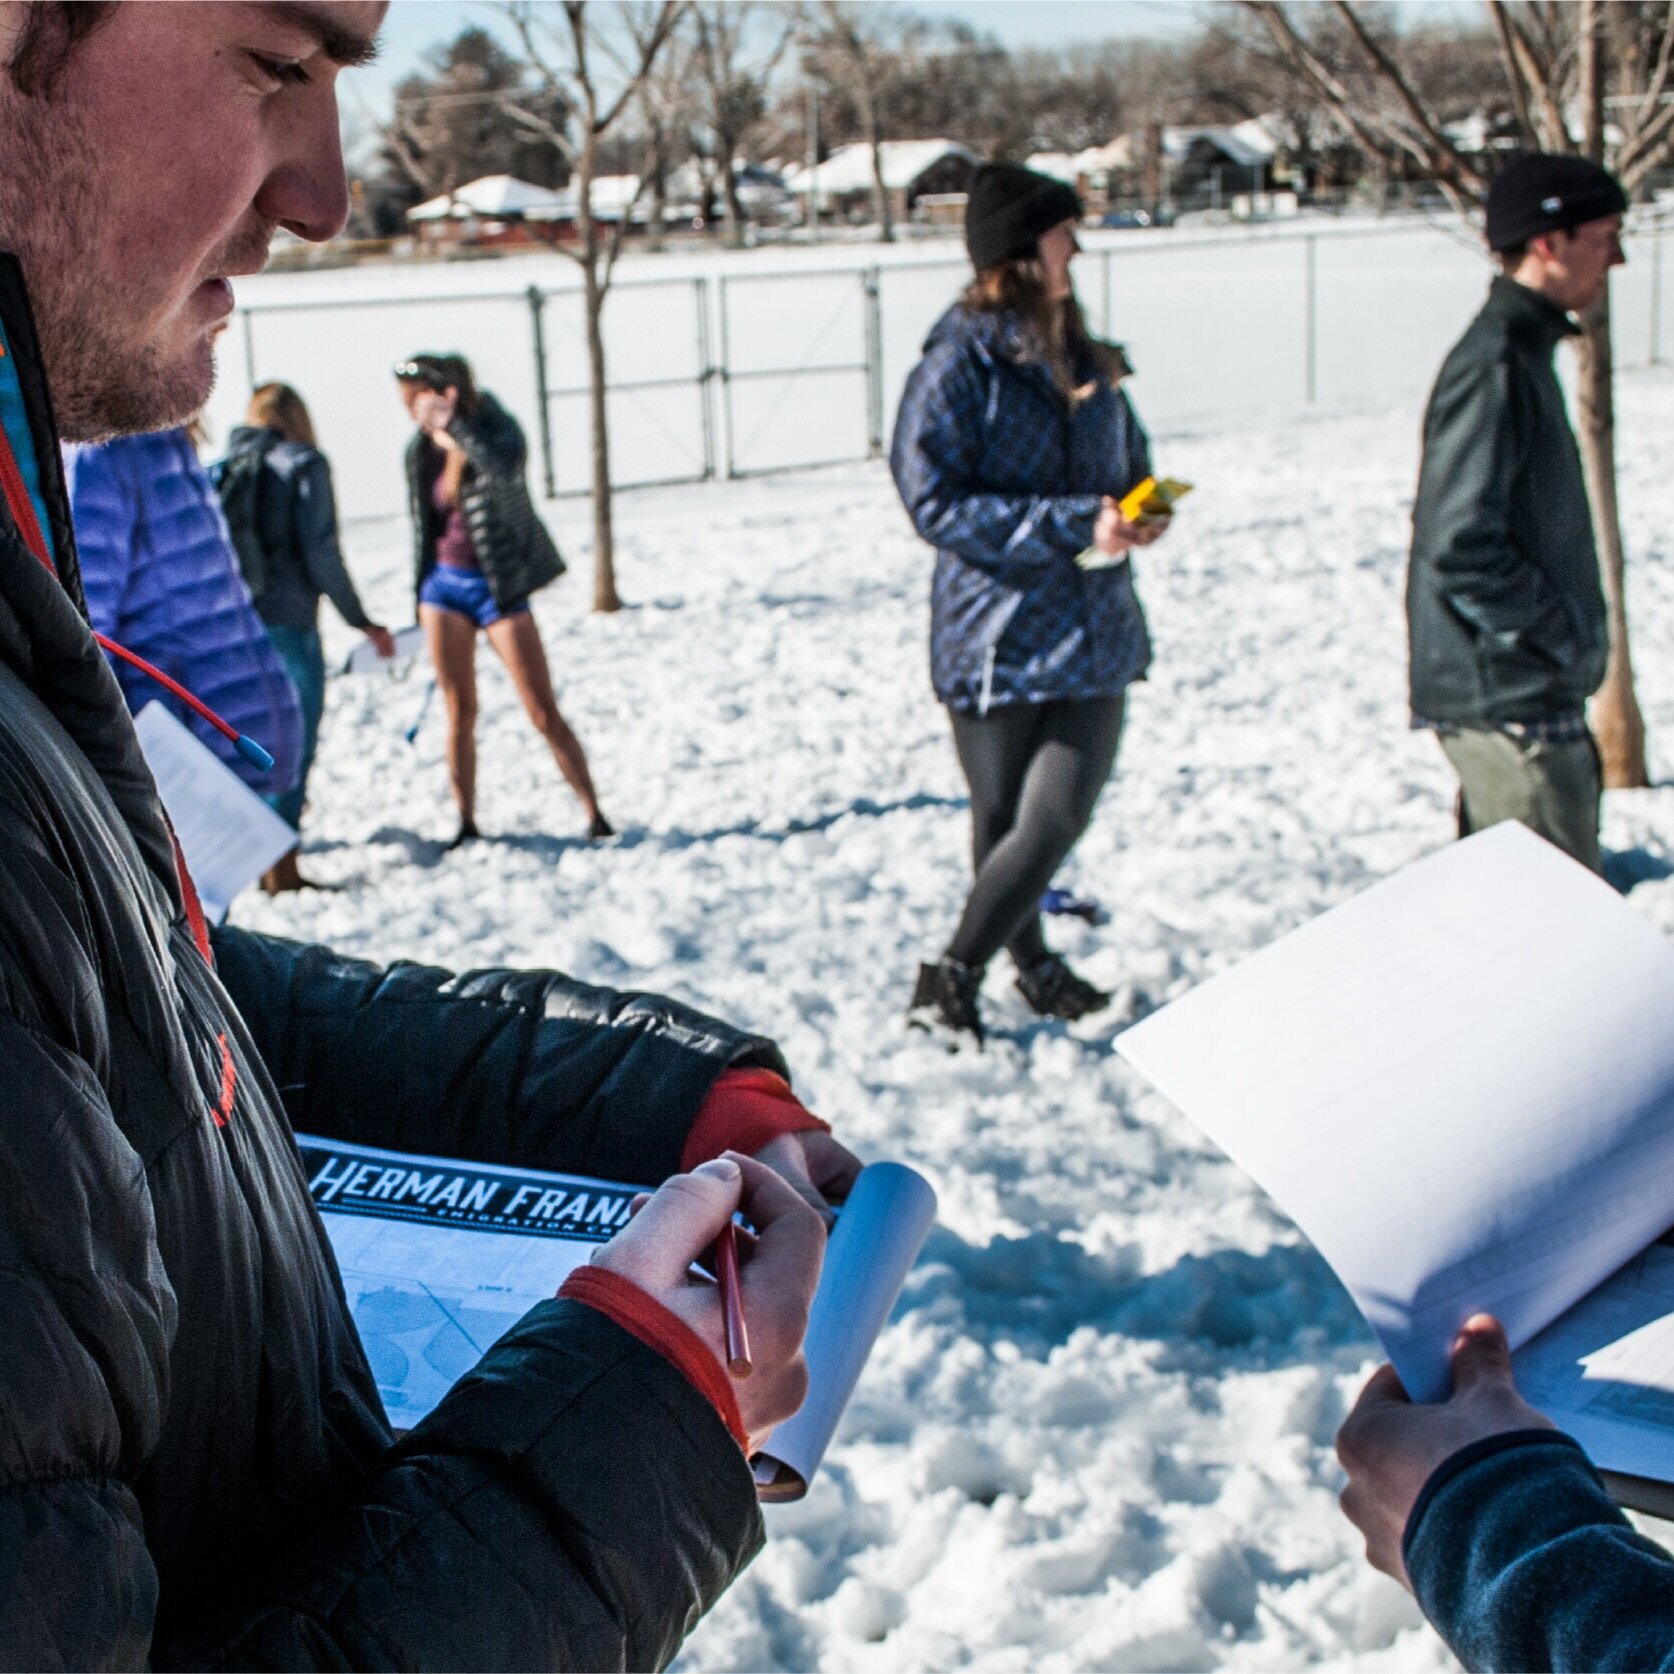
<point x="1126" y="218"/>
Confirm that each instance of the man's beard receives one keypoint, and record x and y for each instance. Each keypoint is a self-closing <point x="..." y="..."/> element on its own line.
<point x="55" y="217"/>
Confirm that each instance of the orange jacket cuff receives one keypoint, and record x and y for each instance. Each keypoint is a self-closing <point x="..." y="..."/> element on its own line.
<point x="745" y="1110"/>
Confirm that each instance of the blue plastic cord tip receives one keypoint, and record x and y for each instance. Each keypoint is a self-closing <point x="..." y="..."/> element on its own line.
<point x="253" y="753"/>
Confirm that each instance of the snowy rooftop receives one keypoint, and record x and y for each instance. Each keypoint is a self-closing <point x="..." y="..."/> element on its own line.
<point x="1246" y="144"/>
<point x="849" y="167"/>
<point x="493" y="197"/>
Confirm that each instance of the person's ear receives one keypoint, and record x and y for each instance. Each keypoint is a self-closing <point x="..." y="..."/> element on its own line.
<point x="452" y="393"/>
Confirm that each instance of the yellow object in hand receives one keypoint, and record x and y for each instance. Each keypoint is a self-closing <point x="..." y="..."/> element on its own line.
<point x="1153" y="499"/>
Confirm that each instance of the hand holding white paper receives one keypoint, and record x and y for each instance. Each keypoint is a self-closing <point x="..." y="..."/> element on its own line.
<point x="879" y="1232"/>
<point x="227" y="833"/>
<point x="364" y="659"/>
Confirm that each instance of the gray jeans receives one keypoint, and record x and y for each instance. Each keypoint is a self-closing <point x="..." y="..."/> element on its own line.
<point x="1553" y="789"/>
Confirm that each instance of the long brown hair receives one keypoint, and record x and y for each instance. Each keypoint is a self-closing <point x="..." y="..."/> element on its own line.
<point x="279" y="407"/>
<point x="1054" y="332"/>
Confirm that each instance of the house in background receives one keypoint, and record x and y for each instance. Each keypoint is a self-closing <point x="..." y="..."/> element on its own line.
<point x="1207" y="168"/>
<point x="497" y="209"/>
<point x="841" y="186"/>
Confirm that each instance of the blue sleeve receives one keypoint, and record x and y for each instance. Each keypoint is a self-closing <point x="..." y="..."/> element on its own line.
<point x="104" y="508"/>
<point x="245" y="682"/>
<point x="218" y="645"/>
<point x="314" y="518"/>
<point x="1520" y="1559"/>
<point x="935" y="456"/>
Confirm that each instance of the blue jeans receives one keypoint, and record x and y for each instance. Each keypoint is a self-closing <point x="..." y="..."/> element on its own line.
<point x="299" y="650"/>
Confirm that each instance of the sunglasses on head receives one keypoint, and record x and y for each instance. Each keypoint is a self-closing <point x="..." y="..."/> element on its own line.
<point x="417" y="372"/>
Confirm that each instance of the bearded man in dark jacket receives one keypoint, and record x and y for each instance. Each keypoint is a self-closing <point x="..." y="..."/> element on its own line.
<point x="1504" y="604"/>
<point x="195" y="1469"/>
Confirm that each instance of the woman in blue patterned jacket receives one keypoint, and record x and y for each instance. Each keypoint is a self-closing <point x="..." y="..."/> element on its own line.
<point x="1013" y="444"/>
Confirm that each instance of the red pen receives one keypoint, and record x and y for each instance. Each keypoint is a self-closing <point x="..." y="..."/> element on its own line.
<point x="732" y="1301"/>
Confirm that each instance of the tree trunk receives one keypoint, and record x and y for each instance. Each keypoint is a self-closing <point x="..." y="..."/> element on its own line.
<point x="869" y="122"/>
<point x="729" y="190"/>
<point x="604" y="543"/>
<point x="1617" y="722"/>
<point x="657" y="173"/>
<point x="880" y="194"/>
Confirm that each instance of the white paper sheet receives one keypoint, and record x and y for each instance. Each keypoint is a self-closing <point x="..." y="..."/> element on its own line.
<point x="227" y="833"/>
<point x="364" y="659"/>
<point x="1604" y="1371"/>
<point x="1460" y="1085"/>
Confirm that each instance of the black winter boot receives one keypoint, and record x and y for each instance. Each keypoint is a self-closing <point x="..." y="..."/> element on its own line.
<point x="945" y="998"/>
<point x="1054" y="990"/>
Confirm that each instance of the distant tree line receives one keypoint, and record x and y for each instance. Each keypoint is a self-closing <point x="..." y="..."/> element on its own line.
<point x="748" y="80"/>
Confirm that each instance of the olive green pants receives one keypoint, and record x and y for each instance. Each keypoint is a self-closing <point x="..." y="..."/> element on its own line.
<point x="1553" y="789"/>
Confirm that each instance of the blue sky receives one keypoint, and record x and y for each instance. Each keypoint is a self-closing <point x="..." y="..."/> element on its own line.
<point x="414" y="25"/>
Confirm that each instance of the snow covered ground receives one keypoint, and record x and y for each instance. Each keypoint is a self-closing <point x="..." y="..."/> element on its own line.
<point x="1098" y="1432"/>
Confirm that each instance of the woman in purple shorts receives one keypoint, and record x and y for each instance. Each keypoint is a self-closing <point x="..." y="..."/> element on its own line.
<point x="479" y="551"/>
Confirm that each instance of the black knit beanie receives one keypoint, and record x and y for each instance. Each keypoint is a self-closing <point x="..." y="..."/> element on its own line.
<point x="1542" y="191"/>
<point x="1009" y="207"/>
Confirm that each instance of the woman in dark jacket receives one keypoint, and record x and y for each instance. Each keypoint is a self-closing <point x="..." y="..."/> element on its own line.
<point x="479" y="551"/>
<point x="1013" y="445"/>
<point x="275" y="487"/>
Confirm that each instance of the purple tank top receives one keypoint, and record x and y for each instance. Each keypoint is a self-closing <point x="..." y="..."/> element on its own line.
<point x="454" y="546"/>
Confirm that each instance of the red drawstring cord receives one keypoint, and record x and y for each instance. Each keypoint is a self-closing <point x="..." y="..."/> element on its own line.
<point x="246" y="747"/>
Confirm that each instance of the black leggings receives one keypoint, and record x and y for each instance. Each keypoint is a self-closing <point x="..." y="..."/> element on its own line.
<point x="1035" y="772"/>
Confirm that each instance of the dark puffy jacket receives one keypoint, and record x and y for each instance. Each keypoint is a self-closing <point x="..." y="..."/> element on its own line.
<point x="194" y="1467"/>
<point x="161" y="578"/>
<point x="1521" y="1560"/>
<point x="1504" y="604"/>
<point x="1004" y="479"/>
<point x="296" y="520"/>
<point x="514" y="547"/>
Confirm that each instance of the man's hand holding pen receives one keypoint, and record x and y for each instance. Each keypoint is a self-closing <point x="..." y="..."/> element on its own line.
<point x="777" y="1278"/>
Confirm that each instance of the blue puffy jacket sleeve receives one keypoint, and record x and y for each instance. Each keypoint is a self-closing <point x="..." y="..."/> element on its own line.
<point x="161" y="579"/>
<point x="1520" y="1559"/>
<point x="104" y="503"/>
<point x="936" y="457"/>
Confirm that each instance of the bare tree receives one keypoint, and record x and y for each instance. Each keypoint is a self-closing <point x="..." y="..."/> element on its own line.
<point x="564" y="59"/>
<point x="735" y="83"/>
<point x="668" y="105"/>
<point x="1561" y="65"/>
<point x="849" y="42"/>
<point x="448" y="127"/>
